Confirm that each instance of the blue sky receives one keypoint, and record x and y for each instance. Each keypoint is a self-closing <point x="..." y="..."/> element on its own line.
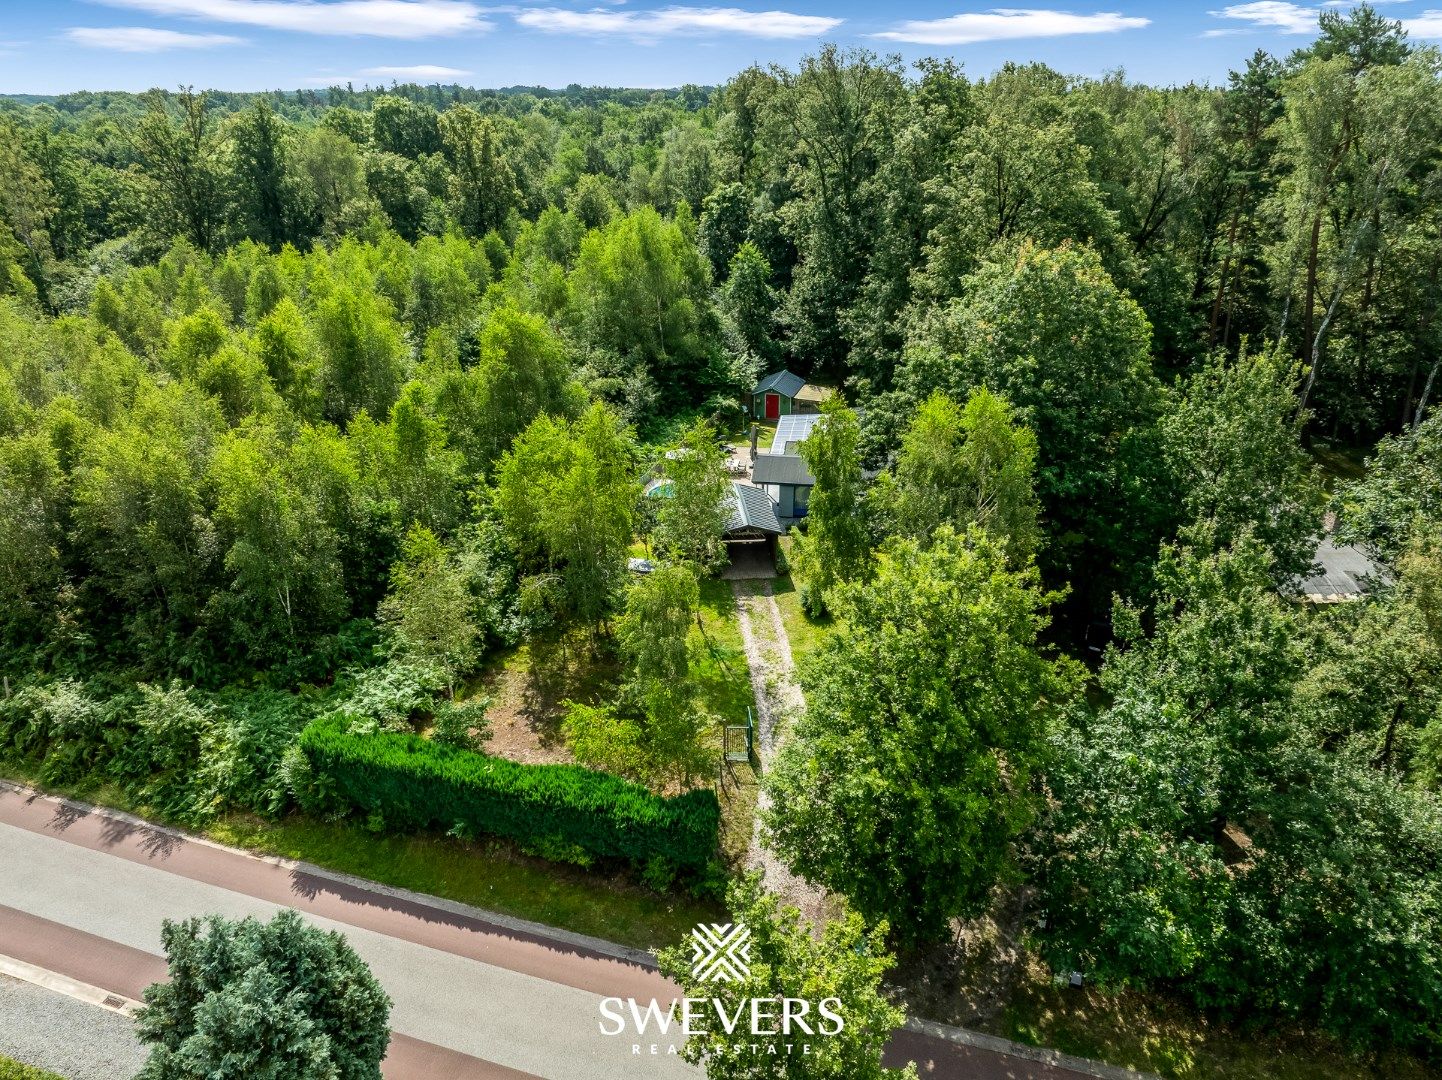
<point x="54" y="46"/>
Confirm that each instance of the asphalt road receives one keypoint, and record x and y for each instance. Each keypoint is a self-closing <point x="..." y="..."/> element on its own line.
<point x="84" y="894"/>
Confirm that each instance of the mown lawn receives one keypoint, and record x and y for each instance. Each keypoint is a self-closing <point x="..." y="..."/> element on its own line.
<point x="765" y="434"/>
<point x="804" y="633"/>
<point x="489" y="874"/>
<point x="718" y="656"/>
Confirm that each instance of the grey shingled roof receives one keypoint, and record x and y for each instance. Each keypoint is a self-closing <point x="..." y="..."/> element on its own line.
<point x="793" y="430"/>
<point x="783" y="382"/>
<point x="781" y="469"/>
<point x="1346" y="574"/>
<point x="752" y="508"/>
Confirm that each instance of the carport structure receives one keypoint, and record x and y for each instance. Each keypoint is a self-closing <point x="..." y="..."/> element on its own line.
<point x="751" y="533"/>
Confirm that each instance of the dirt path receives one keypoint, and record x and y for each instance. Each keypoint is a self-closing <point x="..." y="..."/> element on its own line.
<point x="778" y="703"/>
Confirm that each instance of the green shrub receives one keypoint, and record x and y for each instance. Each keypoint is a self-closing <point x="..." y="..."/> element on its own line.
<point x="15" y="1070"/>
<point x="416" y="784"/>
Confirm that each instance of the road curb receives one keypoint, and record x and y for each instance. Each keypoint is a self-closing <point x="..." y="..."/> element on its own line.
<point x="997" y="1045"/>
<point x="626" y="954"/>
<point x="71" y="988"/>
<point x="452" y="907"/>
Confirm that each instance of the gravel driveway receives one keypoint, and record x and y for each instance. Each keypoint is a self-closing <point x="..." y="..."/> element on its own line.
<point x="778" y="703"/>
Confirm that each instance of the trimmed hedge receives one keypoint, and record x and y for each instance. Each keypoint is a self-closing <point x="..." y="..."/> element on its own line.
<point x="414" y="783"/>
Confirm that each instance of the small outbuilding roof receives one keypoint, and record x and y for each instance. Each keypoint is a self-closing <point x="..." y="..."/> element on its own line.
<point x="781" y="469"/>
<point x="752" y="508"/>
<point x="1347" y="574"/>
<point x="814" y="395"/>
<point x="791" y="431"/>
<point x="782" y="382"/>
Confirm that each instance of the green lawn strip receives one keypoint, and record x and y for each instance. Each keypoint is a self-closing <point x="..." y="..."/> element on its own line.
<point x="765" y="435"/>
<point x="719" y="657"/>
<point x="738" y="814"/>
<point x="1148" y="1032"/>
<point x="803" y="634"/>
<point x="15" y="1070"/>
<point x="488" y="874"/>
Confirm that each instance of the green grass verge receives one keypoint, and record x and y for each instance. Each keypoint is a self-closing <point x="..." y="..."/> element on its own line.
<point x="803" y="633"/>
<point x="15" y="1070"/>
<point x="765" y="434"/>
<point x="488" y="874"/>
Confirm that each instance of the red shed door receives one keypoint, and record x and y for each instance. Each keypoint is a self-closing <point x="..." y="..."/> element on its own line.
<point x="773" y="406"/>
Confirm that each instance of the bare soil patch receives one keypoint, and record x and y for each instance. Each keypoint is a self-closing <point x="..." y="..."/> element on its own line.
<point x="528" y="687"/>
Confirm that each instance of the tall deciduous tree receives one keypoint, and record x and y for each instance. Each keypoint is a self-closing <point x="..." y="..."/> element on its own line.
<point x="1401" y="493"/>
<point x="1052" y="333"/>
<point x="429" y="612"/>
<point x="938" y="676"/>
<point x="522" y="371"/>
<point x="656" y="734"/>
<point x="566" y="494"/>
<point x="483" y="184"/>
<point x="836" y="546"/>
<point x="692" y="519"/>
<point x="748" y="311"/>
<point x="1233" y="442"/>
<point x="281" y="550"/>
<point x="264" y="175"/>
<point x="836" y="116"/>
<point x="964" y="465"/>
<point x="364" y="353"/>
<point x="182" y="168"/>
<point x="641" y="290"/>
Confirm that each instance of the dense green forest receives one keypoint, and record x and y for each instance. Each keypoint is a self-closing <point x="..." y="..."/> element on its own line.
<point x="311" y="401"/>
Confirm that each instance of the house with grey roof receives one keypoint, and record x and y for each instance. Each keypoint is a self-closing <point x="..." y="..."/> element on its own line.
<point x="785" y="479"/>
<point x="781" y="394"/>
<point x="1343" y="573"/>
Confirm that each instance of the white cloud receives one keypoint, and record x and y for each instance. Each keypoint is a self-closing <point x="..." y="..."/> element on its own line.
<point x="1289" y="18"/>
<point x="144" y="39"/>
<point x="1009" y="24"/>
<point x="1273" y="15"/>
<point x="1426" y="25"/>
<point x="417" y="71"/>
<point x="404" y="19"/>
<point x="671" y="21"/>
<point x="380" y="76"/>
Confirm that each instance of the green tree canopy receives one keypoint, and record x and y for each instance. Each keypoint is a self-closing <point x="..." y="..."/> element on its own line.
<point x="691" y="519"/>
<point x="429" y="612"/>
<point x="960" y="466"/>
<point x="566" y="493"/>
<point x="280" y="999"/>
<point x="1050" y="332"/>
<point x="1233" y="442"/>
<point x="937" y="675"/>
<point x="836" y="546"/>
